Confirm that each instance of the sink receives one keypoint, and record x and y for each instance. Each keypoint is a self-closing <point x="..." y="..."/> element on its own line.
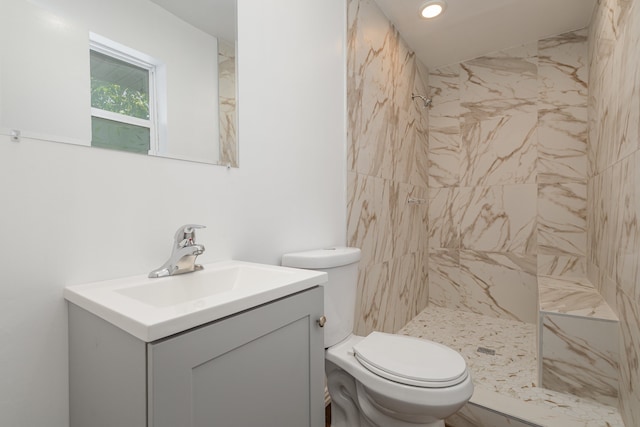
<point x="152" y="309"/>
<point x="206" y="283"/>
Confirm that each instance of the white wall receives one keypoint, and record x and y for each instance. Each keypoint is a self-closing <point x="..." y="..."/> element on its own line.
<point x="73" y="214"/>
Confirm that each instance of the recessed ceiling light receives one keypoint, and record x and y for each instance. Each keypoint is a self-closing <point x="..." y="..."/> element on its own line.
<point x="433" y="8"/>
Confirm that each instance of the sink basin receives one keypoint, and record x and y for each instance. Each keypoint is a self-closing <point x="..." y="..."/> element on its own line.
<point x="152" y="309"/>
<point x="206" y="283"/>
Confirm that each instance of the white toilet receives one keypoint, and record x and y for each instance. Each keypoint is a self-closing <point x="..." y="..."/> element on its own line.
<point x="381" y="380"/>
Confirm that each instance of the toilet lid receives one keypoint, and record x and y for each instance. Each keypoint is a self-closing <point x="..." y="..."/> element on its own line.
<point x="411" y="361"/>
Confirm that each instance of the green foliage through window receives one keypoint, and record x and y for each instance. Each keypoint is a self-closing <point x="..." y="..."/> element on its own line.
<point x="117" y="99"/>
<point x="122" y="87"/>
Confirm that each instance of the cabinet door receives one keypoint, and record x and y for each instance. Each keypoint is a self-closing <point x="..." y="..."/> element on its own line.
<point x="263" y="367"/>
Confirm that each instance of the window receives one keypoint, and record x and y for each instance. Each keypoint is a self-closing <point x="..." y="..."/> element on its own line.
<point x="123" y="101"/>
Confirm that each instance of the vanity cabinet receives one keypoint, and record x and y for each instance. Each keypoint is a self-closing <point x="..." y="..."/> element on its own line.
<point x="261" y="367"/>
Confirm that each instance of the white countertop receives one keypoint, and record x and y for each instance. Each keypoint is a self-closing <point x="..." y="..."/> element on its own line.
<point x="152" y="309"/>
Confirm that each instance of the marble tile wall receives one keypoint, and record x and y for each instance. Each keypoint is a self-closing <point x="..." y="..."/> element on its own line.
<point x="578" y="340"/>
<point x="580" y="357"/>
<point x="227" y="102"/>
<point x="613" y="211"/>
<point x="507" y="175"/>
<point x="387" y="164"/>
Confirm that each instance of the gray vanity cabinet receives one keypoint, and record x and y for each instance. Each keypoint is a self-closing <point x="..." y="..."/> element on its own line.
<point x="262" y="367"/>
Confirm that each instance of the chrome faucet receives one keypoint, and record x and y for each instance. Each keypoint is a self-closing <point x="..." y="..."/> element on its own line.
<point x="183" y="255"/>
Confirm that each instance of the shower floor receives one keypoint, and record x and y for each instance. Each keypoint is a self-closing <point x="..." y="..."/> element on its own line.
<point x="504" y="371"/>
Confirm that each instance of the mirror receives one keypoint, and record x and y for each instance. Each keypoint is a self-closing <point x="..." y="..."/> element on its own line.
<point x="151" y="76"/>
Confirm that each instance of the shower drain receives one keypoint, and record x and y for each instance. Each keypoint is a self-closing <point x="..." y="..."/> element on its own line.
<point x="486" y="350"/>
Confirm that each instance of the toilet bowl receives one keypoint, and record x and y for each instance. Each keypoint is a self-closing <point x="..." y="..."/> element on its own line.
<point x="381" y="380"/>
<point x="423" y="401"/>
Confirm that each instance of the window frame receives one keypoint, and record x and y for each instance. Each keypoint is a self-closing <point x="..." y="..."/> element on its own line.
<point x="126" y="54"/>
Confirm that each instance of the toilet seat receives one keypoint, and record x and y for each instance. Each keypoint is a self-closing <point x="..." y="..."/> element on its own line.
<point x="411" y="361"/>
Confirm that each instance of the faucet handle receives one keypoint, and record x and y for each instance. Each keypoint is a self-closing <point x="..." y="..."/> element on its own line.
<point x="187" y="232"/>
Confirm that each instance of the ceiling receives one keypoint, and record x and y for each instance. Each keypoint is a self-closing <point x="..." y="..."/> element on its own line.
<point x="471" y="28"/>
<point x="215" y="17"/>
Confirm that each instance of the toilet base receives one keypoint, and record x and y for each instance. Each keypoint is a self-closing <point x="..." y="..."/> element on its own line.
<point x="351" y="408"/>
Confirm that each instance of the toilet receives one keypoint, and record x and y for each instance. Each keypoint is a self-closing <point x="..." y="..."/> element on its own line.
<point x="381" y="380"/>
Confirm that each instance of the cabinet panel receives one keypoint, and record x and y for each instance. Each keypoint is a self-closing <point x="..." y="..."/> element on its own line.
<point x="262" y="367"/>
<point x="107" y="374"/>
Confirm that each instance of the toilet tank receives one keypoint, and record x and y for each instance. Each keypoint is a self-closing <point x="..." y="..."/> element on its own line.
<point x="341" y="266"/>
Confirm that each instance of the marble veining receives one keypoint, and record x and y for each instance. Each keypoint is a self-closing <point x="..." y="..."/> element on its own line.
<point x="372" y="298"/>
<point x="369" y="217"/>
<point x="580" y="356"/>
<point x="562" y="265"/>
<point x="444" y="153"/>
<point x="563" y="83"/>
<point x="228" y="104"/>
<point x="387" y="164"/>
<point x="445" y="139"/>
<point x="613" y="232"/>
<point x="444" y="218"/>
<point x="578" y="340"/>
<point x="562" y="145"/>
<point x="508" y="175"/>
<point x="385" y="128"/>
<point x="499" y="151"/>
<point x="626" y="197"/>
<point x="494" y="284"/>
<point x="498" y="218"/>
<point x="562" y="218"/>
<point x="500" y="84"/>
<point x="562" y="108"/>
<point x="629" y="312"/>
<point x="506" y="382"/>
<point x="574" y="296"/>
